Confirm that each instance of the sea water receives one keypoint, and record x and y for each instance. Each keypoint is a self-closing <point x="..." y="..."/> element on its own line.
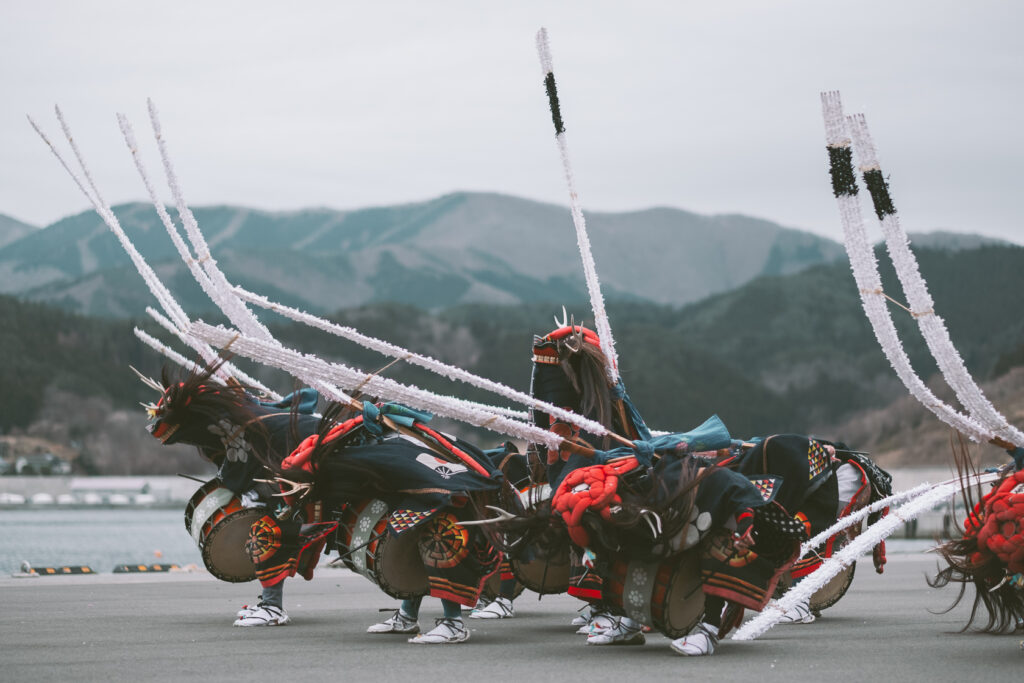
<point x="105" y="538"/>
<point x="98" y="538"/>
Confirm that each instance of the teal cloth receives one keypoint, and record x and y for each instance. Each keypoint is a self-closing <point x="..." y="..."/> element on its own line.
<point x="709" y="436"/>
<point x="396" y="412"/>
<point x="306" y="400"/>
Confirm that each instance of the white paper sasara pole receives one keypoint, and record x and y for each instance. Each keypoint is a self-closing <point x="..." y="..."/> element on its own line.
<point x="865" y="271"/>
<point x="871" y="537"/>
<point x="920" y="302"/>
<point x="604" y="330"/>
<point x="204" y="268"/>
<point x="895" y="499"/>
<point x="307" y="365"/>
<point x="105" y="212"/>
<point x="435" y="366"/>
<point x="236" y="373"/>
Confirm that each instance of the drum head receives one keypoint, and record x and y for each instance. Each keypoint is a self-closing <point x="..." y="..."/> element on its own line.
<point x="684" y="598"/>
<point x="398" y="566"/>
<point x="546" y="576"/>
<point x="834" y="590"/>
<point x="224" y="552"/>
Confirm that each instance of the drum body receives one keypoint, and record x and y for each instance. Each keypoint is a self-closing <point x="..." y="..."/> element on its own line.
<point x="833" y="591"/>
<point x="392" y="561"/>
<point x="836" y="588"/>
<point x="666" y="596"/>
<point x="196" y="498"/>
<point x="492" y="588"/>
<point x="220" y="527"/>
<point x="544" y="575"/>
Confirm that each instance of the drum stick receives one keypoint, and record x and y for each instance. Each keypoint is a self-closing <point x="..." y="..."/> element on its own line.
<point x="341" y="556"/>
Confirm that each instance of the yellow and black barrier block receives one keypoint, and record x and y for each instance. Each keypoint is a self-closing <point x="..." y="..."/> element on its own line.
<point x="64" y="570"/>
<point x="143" y="568"/>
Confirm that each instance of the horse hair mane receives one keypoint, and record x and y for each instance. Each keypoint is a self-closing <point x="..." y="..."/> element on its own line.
<point x="1004" y="605"/>
<point x="584" y="365"/>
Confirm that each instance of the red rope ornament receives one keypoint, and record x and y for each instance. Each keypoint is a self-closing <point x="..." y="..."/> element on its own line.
<point x="590" y="488"/>
<point x="1002" y="528"/>
<point x="299" y="458"/>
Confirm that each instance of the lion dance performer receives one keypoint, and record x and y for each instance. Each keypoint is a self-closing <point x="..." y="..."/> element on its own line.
<point x="241" y="435"/>
<point x="787" y="472"/>
<point x="427" y="482"/>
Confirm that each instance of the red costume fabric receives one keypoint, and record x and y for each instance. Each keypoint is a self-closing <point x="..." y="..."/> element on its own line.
<point x="998" y="520"/>
<point x="590" y="488"/>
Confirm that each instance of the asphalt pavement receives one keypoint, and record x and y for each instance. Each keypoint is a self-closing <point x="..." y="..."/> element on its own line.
<point x="177" y="627"/>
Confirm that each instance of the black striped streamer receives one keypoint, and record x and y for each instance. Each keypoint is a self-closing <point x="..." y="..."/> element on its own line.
<point x="879" y="190"/>
<point x="840" y="166"/>
<point x="556" y="111"/>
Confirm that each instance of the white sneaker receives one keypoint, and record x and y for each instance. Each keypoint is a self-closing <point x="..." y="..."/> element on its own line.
<point x="264" y="615"/>
<point x="700" y="642"/>
<point x="617" y="631"/>
<point x="597" y="621"/>
<point x="399" y="622"/>
<point x="584" y="617"/>
<point x="501" y="608"/>
<point x="798" y="614"/>
<point x="447" y="631"/>
<point x="600" y="621"/>
<point x="249" y="609"/>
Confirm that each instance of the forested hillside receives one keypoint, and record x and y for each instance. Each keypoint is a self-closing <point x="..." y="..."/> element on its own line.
<point x="782" y="353"/>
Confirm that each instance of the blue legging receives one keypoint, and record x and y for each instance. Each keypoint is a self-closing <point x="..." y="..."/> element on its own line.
<point x="411" y="607"/>
<point x="273" y="595"/>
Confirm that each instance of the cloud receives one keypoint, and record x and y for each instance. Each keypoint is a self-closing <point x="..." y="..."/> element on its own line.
<point x="708" y="108"/>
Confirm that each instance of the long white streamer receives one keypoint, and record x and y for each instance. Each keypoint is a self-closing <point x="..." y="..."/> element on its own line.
<point x="158" y="346"/>
<point x="155" y="286"/>
<point x="236" y="373"/>
<point x="306" y="365"/>
<point x="869" y="282"/>
<point x="106" y="213"/>
<point x="232" y="306"/>
<point x="855" y="517"/>
<point x="604" y="329"/>
<point x="209" y="277"/>
<point x="213" y="281"/>
<point x="229" y="299"/>
<point x="220" y="290"/>
<point x="844" y="558"/>
<point x="198" y="274"/>
<point x="932" y="326"/>
<point x="193" y="265"/>
<point x="888" y="501"/>
<point x="449" y="371"/>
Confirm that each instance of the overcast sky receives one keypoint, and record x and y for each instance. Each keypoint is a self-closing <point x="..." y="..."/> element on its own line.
<point x="711" y="107"/>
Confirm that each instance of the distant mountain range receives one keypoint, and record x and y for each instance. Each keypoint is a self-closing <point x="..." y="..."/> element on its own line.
<point x="457" y="249"/>
<point x="12" y="230"/>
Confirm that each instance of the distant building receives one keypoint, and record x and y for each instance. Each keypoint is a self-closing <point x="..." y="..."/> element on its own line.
<point x="33" y="456"/>
<point x="119" y="490"/>
<point x="41" y="464"/>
